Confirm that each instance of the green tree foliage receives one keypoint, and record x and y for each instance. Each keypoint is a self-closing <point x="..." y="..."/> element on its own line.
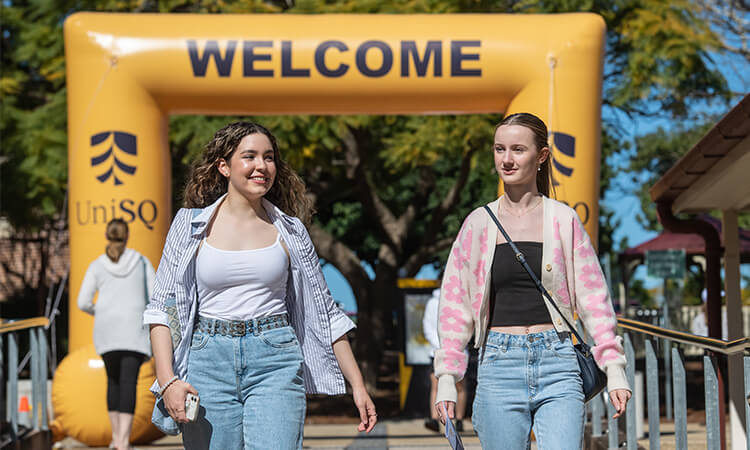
<point x="33" y="166"/>
<point x="733" y="21"/>
<point x="658" y="56"/>
<point x="639" y="292"/>
<point x="656" y="153"/>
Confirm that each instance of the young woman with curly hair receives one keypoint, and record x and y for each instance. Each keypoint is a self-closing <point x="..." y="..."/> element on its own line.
<point x="256" y="327"/>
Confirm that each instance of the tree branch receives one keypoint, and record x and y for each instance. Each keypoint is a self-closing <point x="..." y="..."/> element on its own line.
<point x="450" y="200"/>
<point x="423" y="255"/>
<point x="374" y="207"/>
<point x="424" y="186"/>
<point x="338" y="254"/>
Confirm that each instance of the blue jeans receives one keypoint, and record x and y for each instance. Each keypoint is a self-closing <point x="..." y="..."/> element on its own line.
<point x="251" y="391"/>
<point x="527" y="382"/>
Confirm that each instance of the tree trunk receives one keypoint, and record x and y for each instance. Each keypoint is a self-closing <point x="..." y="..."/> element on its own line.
<point x="375" y="306"/>
<point x="368" y="347"/>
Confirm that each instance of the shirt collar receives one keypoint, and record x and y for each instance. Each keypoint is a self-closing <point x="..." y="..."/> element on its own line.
<point x="201" y="220"/>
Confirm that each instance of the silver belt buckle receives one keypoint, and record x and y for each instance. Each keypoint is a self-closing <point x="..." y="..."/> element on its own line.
<point x="237" y="329"/>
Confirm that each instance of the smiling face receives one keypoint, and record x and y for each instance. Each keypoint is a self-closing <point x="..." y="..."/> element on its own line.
<point x="251" y="169"/>
<point x="517" y="158"/>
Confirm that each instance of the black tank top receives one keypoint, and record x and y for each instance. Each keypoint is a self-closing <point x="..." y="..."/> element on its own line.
<point x="516" y="300"/>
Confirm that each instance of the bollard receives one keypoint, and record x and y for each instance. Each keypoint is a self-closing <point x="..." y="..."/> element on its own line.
<point x="680" y="400"/>
<point x="24" y="412"/>
<point x="711" y="384"/>
<point x="652" y="385"/>
<point x="640" y="406"/>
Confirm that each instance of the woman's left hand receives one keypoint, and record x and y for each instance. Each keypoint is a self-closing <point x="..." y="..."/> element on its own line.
<point x="367" y="415"/>
<point x="619" y="399"/>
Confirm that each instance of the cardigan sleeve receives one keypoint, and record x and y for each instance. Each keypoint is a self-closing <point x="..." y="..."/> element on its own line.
<point x="455" y="320"/>
<point x="594" y="306"/>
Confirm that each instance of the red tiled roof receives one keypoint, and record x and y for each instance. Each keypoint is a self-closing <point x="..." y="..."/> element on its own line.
<point x="692" y="243"/>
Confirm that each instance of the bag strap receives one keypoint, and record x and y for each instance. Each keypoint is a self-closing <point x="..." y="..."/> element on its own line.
<point x="522" y="260"/>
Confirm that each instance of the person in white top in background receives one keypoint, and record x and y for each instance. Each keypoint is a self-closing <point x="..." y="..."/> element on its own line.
<point x="429" y="328"/>
<point x="699" y="325"/>
<point x="123" y="277"/>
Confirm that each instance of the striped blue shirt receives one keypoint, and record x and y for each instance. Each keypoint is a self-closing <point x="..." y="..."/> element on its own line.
<point x="316" y="319"/>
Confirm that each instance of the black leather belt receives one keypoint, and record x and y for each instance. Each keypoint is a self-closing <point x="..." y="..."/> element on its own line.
<point x="239" y="328"/>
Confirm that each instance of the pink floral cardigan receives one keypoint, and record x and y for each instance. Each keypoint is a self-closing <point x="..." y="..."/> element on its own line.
<point x="570" y="272"/>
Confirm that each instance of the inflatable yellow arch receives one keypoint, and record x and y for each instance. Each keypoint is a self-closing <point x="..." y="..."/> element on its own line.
<point x="127" y="72"/>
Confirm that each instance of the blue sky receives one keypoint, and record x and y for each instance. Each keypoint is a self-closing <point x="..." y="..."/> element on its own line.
<point x="626" y="206"/>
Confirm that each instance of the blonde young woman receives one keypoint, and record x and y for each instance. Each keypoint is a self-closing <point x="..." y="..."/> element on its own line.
<point x="256" y="327"/>
<point x="123" y="278"/>
<point x="528" y="376"/>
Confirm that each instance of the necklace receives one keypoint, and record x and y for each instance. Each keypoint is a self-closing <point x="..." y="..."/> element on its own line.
<point x="505" y="207"/>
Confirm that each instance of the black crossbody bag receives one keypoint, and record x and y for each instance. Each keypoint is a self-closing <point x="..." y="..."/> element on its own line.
<point x="593" y="378"/>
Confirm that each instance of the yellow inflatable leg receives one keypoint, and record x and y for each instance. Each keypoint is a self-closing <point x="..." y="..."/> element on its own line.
<point x="79" y="400"/>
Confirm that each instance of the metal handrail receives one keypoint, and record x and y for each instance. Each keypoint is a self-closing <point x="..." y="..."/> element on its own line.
<point x="706" y="343"/>
<point x="7" y="327"/>
<point x="36" y="328"/>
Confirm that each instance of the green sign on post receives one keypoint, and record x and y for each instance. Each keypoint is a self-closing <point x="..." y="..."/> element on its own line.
<point x="666" y="263"/>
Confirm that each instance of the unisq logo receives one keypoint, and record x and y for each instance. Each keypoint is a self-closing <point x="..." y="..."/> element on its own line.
<point x="114" y="159"/>
<point x="111" y="146"/>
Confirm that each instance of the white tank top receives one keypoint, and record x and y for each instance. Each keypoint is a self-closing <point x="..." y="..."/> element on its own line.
<point x="241" y="284"/>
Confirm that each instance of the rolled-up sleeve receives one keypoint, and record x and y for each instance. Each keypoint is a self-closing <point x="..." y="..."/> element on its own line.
<point x="155" y="317"/>
<point x="340" y="325"/>
<point x="166" y="274"/>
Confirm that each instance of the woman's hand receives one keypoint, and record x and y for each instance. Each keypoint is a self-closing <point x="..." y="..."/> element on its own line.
<point x="367" y="415"/>
<point x="450" y="408"/>
<point x="619" y="399"/>
<point x="174" y="399"/>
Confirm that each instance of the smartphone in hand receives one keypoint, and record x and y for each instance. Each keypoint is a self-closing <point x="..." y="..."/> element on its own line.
<point x="191" y="406"/>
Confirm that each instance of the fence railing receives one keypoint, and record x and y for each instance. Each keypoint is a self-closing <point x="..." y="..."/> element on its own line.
<point x="39" y="369"/>
<point x="674" y="388"/>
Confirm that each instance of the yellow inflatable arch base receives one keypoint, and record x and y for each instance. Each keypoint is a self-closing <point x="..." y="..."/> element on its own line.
<point x="127" y="72"/>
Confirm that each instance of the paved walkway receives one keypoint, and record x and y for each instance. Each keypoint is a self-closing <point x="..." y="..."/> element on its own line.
<point x="390" y="435"/>
<point x="405" y="435"/>
<point x="696" y="436"/>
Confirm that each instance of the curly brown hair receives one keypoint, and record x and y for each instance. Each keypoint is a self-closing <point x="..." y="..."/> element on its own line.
<point x="205" y="184"/>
